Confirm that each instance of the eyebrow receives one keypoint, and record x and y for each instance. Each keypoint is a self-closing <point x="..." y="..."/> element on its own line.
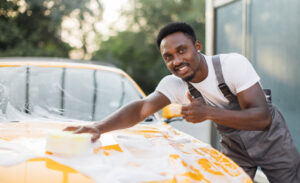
<point x="177" y="48"/>
<point x="166" y="54"/>
<point x="181" y="46"/>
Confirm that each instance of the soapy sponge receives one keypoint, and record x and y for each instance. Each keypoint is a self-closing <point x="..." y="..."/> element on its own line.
<point x="171" y="111"/>
<point x="68" y="143"/>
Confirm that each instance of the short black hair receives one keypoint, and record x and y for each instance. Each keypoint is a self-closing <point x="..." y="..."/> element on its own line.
<point x="175" y="27"/>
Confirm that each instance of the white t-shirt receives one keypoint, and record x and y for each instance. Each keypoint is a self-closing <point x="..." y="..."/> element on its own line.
<point x="238" y="74"/>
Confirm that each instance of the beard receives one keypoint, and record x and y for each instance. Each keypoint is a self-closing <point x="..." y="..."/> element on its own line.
<point x="189" y="78"/>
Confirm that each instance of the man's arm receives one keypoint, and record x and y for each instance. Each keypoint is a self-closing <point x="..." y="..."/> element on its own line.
<point x="126" y="116"/>
<point x="255" y="114"/>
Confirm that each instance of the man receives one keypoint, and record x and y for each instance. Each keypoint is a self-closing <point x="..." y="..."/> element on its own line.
<point x="253" y="132"/>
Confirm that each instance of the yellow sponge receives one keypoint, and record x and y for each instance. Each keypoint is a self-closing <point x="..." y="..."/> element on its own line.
<point x="171" y="111"/>
<point x="68" y="143"/>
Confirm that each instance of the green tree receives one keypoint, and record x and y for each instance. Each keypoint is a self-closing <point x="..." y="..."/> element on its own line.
<point x="135" y="51"/>
<point x="33" y="27"/>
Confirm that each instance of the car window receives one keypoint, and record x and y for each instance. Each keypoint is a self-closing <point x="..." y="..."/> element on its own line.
<point x="12" y="88"/>
<point x="118" y="88"/>
<point x="63" y="93"/>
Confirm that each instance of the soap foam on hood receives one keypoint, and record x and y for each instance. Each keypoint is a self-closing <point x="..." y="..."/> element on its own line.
<point x="142" y="159"/>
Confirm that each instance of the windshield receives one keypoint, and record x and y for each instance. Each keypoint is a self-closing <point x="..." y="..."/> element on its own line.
<point x="62" y="93"/>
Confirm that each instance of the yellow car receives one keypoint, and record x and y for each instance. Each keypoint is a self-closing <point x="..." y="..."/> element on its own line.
<point x="42" y="95"/>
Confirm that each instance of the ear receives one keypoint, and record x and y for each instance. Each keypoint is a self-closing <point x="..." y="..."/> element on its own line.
<point x="198" y="45"/>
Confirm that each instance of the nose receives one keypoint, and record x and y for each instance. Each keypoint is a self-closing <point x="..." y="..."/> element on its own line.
<point x="177" y="60"/>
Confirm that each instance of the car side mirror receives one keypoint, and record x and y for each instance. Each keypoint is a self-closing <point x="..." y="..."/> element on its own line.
<point x="171" y="111"/>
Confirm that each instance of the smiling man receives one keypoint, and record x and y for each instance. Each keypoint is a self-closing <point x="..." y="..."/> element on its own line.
<point x="224" y="89"/>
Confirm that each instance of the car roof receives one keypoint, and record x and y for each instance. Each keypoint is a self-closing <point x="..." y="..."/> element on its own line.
<point x="64" y="63"/>
<point x="54" y="59"/>
<point x="57" y="62"/>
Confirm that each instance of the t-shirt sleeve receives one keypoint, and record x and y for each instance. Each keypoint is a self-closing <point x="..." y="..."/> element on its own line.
<point x="238" y="72"/>
<point x="172" y="88"/>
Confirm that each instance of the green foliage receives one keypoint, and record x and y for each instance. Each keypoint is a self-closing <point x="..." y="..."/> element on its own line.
<point x="33" y="28"/>
<point x="135" y="50"/>
<point x="130" y="51"/>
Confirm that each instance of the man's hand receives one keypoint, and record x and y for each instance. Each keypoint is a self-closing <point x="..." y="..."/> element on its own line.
<point x="196" y="111"/>
<point x="85" y="129"/>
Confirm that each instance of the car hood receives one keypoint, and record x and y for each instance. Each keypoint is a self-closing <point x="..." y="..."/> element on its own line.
<point x="144" y="153"/>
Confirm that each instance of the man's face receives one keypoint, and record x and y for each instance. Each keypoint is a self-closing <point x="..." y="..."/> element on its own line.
<point x="180" y="55"/>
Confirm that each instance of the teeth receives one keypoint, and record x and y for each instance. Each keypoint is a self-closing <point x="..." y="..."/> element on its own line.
<point x="182" y="68"/>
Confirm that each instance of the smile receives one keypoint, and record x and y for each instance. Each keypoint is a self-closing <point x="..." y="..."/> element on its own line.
<point x="182" y="69"/>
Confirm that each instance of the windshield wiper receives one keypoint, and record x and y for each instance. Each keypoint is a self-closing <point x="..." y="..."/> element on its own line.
<point x="173" y="119"/>
<point x="149" y="118"/>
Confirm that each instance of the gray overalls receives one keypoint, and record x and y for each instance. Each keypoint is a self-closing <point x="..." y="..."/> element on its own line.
<point x="273" y="150"/>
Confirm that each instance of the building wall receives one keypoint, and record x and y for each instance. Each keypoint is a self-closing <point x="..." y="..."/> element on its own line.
<point x="271" y="42"/>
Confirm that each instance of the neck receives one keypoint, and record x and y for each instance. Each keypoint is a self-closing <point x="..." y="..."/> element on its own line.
<point x="201" y="71"/>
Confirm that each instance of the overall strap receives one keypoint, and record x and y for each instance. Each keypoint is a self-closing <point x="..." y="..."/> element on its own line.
<point x="222" y="85"/>
<point x="193" y="91"/>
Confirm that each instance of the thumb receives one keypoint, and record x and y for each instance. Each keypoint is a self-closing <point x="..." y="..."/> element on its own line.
<point x="189" y="96"/>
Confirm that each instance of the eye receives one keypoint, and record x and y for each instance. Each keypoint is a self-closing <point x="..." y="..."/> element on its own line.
<point x="168" y="57"/>
<point x="181" y="50"/>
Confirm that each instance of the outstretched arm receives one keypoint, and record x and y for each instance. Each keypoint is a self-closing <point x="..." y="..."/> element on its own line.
<point x="126" y="116"/>
<point x="254" y="115"/>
